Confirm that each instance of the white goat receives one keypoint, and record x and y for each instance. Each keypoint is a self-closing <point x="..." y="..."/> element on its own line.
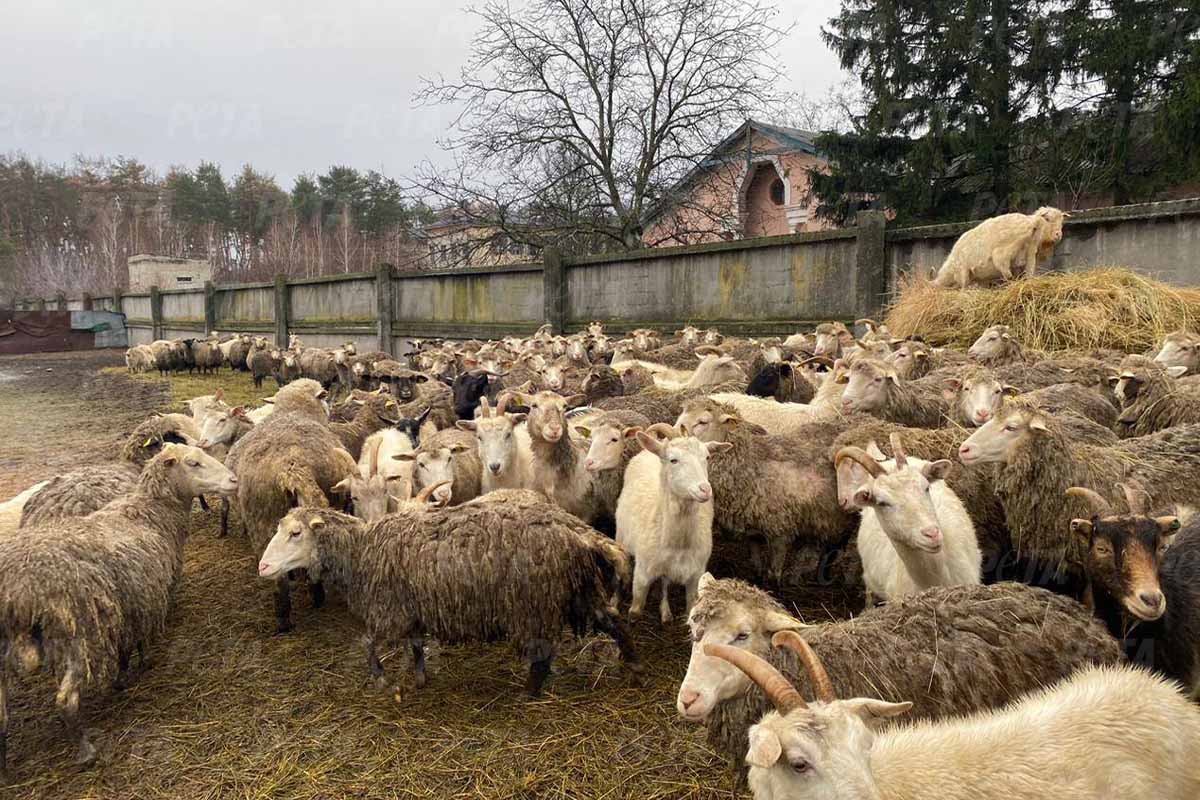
<point x="1104" y="732"/>
<point x="915" y="533"/>
<point x="505" y="452"/>
<point x="665" y="514"/>
<point x="714" y="367"/>
<point x="786" y="418"/>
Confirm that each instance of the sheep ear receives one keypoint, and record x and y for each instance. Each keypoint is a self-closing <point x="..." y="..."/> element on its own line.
<point x="219" y="394"/>
<point x="777" y="621"/>
<point x="874" y="452"/>
<point x="1009" y="391"/>
<point x="576" y="400"/>
<point x="465" y="424"/>
<point x="894" y="376"/>
<point x="706" y="580"/>
<point x="458" y="447"/>
<point x="728" y="419"/>
<point x="715" y="448"/>
<point x="1038" y="424"/>
<point x="863" y="496"/>
<point x="937" y="470"/>
<point x="873" y="712"/>
<point x="1168" y="525"/>
<point x="405" y="456"/>
<point x="629" y="433"/>
<point x="649" y="443"/>
<point x="1175" y="372"/>
<point x="584" y="431"/>
<point x="316" y="523"/>
<point x="419" y="378"/>
<point x="342" y="486"/>
<point x="517" y="418"/>
<point x="1082" y="528"/>
<point x="764" y="749"/>
<point x="169" y="459"/>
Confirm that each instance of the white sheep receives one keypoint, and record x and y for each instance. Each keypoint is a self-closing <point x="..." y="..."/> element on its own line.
<point x="665" y="514"/>
<point x="785" y="418"/>
<point x="714" y="367"/>
<point x="1104" y="732"/>
<point x="915" y="533"/>
<point x="997" y="247"/>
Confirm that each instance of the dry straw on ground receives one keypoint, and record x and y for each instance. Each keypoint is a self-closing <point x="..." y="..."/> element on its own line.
<point x="1102" y="308"/>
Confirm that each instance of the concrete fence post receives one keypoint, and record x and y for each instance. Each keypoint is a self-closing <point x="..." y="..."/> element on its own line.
<point x="60" y="302"/>
<point x="281" y="311"/>
<point x="870" y="264"/>
<point x="383" y="307"/>
<point x="554" y="289"/>
<point x="156" y="320"/>
<point x="39" y="304"/>
<point x="117" y="301"/>
<point x="87" y="301"/>
<point x="210" y="307"/>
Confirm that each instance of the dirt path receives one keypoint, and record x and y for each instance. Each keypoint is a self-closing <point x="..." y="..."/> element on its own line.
<point x="57" y="410"/>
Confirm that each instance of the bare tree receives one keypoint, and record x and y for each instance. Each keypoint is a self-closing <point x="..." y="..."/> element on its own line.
<point x="601" y="105"/>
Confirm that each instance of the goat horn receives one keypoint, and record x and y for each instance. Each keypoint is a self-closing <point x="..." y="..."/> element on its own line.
<point x="424" y="495"/>
<point x="485" y="408"/>
<point x="860" y="456"/>
<point x="501" y="402"/>
<point x="816" y="670"/>
<point x="668" y="431"/>
<point x="818" y="360"/>
<point x="708" y="350"/>
<point x="1137" y="498"/>
<point x="777" y="688"/>
<point x="898" y="451"/>
<point x="1100" y="505"/>
<point x="870" y="323"/>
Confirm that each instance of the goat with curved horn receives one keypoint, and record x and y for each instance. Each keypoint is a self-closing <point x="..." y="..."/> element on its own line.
<point x="822" y="685"/>
<point x="777" y="688"/>
<point x="898" y="451"/>
<point x="661" y="430"/>
<point x="1098" y="503"/>
<point x="1137" y="498"/>
<point x="861" y="457"/>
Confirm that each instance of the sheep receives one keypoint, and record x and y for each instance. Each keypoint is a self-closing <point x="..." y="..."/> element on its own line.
<point x="140" y="358"/>
<point x="1180" y="349"/>
<point x="450" y="460"/>
<point x="206" y="356"/>
<point x="611" y="445"/>
<point x="874" y="387"/>
<point x="785" y="418"/>
<point x="261" y="363"/>
<point x="997" y="345"/>
<point x="79" y="595"/>
<point x="401" y="380"/>
<point x="1100" y="729"/>
<point x="505" y="566"/>
<point x="665" y="515"/>
<point x="995" y="248"/>
<point x="830" y="338"/>
<point x="221" y="429"/>
<point x="1038" y="462"/>
<point x="949" y="650"/>
<point x="601" y="381"/>
<point x="778" y="487"/>
<point x="468" y="388"/>
<point x="914" y="359"/>
<point x="376" y="496"/>
<point x="556" y="462"/>
<point x="287" y="369"/>
<point x="318" y="365"/>
<point x="977" y="394"/>
<point x="377" y="410"/>
<point x="12" y="508"/>
<point x="714" y="368"/>
<point x="1154" y="398"/>
<point x="505" y="452"/>
<point x="784" y="382"/>
<point x="237" y="352"/>
<point x="1141" y="581"/>
<point x="82" y="491"/>
<point x="290" y="458"/>
<point x="915" y="533"/>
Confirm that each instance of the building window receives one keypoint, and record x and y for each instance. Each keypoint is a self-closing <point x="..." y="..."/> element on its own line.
<point x="777" y="193"/>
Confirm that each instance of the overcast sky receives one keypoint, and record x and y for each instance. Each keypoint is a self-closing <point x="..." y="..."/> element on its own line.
<point x="289" y="86"/>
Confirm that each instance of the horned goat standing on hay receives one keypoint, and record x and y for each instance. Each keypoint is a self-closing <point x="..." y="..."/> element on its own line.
<point x="506" y="566"/>
<point x="947" y="650"/>
<point x="915" y="533"/>
<point x="665" y="515"/>
<point x="1102" y="732"/>
<point x="1000" y="247"/>
<point x="1142" y="581"/>
<point x="80" y="595"/>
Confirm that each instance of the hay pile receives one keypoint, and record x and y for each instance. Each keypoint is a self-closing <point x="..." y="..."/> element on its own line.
<point x="1101" y="308"/>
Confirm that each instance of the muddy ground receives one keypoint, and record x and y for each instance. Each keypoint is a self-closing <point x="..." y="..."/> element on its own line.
<point x="225" y="708"/>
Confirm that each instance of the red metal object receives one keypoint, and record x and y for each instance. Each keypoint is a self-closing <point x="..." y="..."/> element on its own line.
<point x="40" y="332"/>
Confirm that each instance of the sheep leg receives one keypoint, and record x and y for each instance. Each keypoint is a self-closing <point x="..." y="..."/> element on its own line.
<point x="777" y="549"/>
<point x="692" y="588"/>
<point x="316" y="591"/>
<point x="613" y="626"/>
<point x="539" y="671"/>
<point x="373" y="663"/>
<point x="224" y="517"/>
<point x="122" y="680"/>
<point x="641" y="586"/>
<point x="664" y="603"/>
<point x="203" y="503"/>
<point x="418" y="650"/>
<point x="283" y="606"/>
<point x="67" y="701"/>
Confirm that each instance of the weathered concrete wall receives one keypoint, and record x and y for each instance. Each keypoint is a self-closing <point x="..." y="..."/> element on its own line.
<point x="467" y="303"/>
<point x="345" y="300"/>
<point x="776" y="284"/>
<point x="238" y="306"/>
<point x="183" y="306"/>
<point x="136" y="306"/>
<point x="1158" y="239"/>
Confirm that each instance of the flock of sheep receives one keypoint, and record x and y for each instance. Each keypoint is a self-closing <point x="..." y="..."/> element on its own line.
<point x="1029" y="559"/>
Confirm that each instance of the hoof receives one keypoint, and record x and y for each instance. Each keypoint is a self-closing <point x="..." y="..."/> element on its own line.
<point x="86" y="756"/>
<point x="381" y="683"/>
<point x="666" y="618"/>
<point x="636" y="667"/>
<point x="283" y="628"/>
<point x="420" y="680"/>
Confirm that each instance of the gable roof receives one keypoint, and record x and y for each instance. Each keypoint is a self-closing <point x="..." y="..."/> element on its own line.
<point x="789" y="139"/>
